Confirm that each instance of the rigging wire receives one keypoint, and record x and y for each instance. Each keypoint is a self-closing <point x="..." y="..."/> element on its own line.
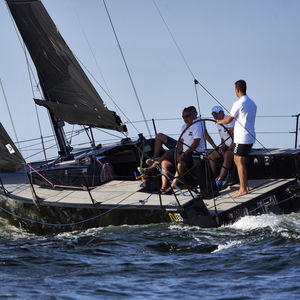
<point x="90" y="47"/>
<point x="128" y="72"/>
<point x="109" y="133"/>
<point x="30" y="73"/>
<point x="192" y="74"/>
<point x="71" y="136"/>
<point x="106" y="93"/>
<point x="50" y="147"/>
<point x="179" y="51"/>
<point x="174" y="40"/>
<point x="95" y="59"/>
<point x="8" y="109"/>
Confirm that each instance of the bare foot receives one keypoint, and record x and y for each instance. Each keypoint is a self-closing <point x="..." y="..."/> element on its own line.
<point x="240" y="193"/>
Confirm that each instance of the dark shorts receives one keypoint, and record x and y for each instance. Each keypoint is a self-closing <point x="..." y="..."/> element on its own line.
<point x="170" y="154"/>
<point x="242" y="149"/>
<point x="187" y="158"/>
<point x="226" y="148"/>
<point x="171" y="143"/>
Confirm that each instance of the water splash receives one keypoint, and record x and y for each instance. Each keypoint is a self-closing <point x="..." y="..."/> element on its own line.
<point x="286" y="225"/>
<point x="249" y="223"/>
<point x="227" y="245"/>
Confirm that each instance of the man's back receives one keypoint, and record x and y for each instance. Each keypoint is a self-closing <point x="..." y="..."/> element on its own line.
<point x="244" y="112"/>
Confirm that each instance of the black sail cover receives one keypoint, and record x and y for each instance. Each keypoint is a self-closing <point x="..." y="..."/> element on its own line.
<point x="11" y="159"/>
<point x="71" y="95"/>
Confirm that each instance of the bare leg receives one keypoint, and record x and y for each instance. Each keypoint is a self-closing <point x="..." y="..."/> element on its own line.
<point x="166" y="155"/>
<point x="181" y="169"/>
<point x="151" y="169"/>
<point x="228" y="155"/>
<point x="213" y="156"/>
<point x="160" y="139"/>
<point x="166" y="166"/>
<point x="240" y="162"/>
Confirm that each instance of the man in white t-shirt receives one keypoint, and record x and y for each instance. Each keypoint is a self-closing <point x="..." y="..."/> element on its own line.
<point x="193" y="139"/>
<point x="225" y="149"/>
<point x="243" y="111"/>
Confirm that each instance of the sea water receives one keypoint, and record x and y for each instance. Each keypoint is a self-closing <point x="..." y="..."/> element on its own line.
<point x="255" y="258"/>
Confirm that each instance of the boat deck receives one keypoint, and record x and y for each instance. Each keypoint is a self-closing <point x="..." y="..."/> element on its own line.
<point x="126" y="193"/>
<point x="261" y="188"/>
<point x="111" y="194"/>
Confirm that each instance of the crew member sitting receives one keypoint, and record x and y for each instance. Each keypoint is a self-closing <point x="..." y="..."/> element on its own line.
<point x="225" y="149"/>
<point x="193" y="139"/>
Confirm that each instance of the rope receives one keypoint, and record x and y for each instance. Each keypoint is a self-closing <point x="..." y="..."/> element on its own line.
<point x="40" y="174"/>
<point x="125" y="63"/>
<point x="106" y="172"/>
<point x="105" y="175"/>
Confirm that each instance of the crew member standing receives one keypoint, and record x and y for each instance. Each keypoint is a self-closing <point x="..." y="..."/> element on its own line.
<point x="243" y="111"/>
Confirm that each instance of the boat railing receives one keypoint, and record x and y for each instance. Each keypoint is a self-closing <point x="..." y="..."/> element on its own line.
<point x="273" y="121"/>
<point x="166" y="125"/>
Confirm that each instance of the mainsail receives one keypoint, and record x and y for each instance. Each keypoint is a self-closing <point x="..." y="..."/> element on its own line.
<point x="11" y="159"/>
<point x="70" y="94"/>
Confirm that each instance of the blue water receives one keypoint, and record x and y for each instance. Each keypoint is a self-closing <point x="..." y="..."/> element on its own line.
<point x="256" y="258"/>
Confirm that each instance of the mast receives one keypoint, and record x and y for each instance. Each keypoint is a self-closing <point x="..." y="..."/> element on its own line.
<point x="57" y="126"/>
<point x="69" y="94"/>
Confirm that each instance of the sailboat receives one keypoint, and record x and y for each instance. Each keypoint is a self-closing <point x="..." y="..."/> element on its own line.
<point x="98" y="186"/>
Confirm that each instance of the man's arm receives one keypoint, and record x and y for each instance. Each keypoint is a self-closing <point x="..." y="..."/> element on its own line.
<point x="179" y="146"/>
<point x="194" y="146"/>
<point x="231" y="129"/>
<point x="227" y="120"/>
<point x="210" y="140"/>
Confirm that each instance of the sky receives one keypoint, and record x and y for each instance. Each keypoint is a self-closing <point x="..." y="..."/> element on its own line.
<point x="217" y="42"/>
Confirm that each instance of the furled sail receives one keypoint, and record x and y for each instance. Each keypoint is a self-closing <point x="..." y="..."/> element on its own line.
<point x="71" y="95"/>
<point x="11" y="159"/>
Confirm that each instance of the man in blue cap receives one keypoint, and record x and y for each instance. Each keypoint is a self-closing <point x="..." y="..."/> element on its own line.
<point x="225" y="149"/>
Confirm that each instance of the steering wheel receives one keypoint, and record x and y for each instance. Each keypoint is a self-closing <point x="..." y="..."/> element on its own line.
<point x="204" y="130"/>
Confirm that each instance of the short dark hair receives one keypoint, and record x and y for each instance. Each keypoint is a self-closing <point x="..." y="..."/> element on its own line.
<point x="191" y="109"/>
<point x="241" y="85"/>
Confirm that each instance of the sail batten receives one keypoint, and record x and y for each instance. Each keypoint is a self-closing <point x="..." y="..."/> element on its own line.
<point x="62" y="77"/>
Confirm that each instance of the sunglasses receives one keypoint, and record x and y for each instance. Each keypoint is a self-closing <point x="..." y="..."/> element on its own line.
<point x="186" y="116"/>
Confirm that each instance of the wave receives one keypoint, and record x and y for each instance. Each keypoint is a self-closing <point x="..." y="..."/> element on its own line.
<point x="182" y="237"/>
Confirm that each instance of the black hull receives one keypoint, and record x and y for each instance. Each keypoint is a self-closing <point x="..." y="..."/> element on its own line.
<point x="47" y="219"/>
<point x="279" y="202"/>
<point x="119" y="202"/>
<point x="51" y="219"/>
